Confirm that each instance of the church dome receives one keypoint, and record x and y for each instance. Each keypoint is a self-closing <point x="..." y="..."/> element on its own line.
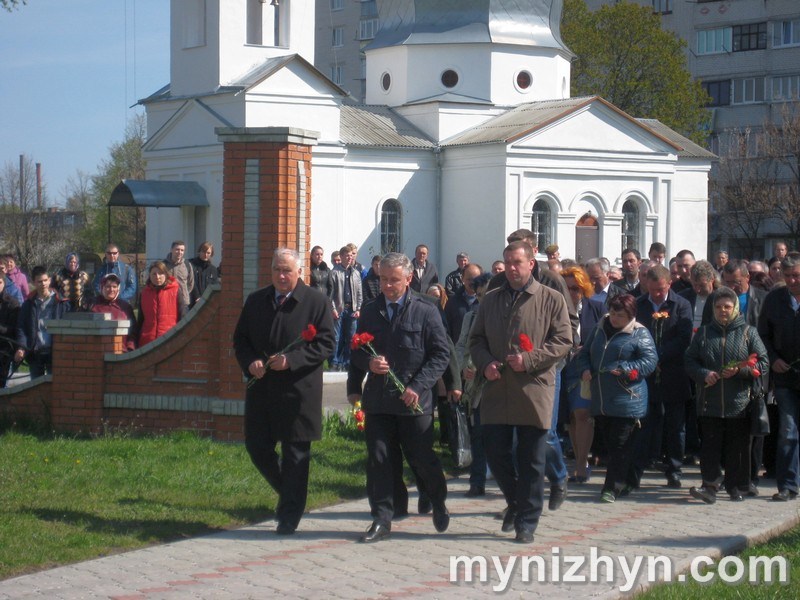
<point x="520" y="22"/>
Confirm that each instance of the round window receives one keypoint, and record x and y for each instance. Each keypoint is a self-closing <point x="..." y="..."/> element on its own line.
<point x="524" y="80"/>
<point x="449" y="78"/>
<point x="386" y="82"/>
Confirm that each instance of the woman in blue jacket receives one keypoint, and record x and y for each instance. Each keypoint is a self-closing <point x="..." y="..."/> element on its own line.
<point x="615" y="360"/>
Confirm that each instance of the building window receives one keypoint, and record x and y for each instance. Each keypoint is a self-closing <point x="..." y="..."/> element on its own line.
<point x="391" y="226"/>
<point x="786" y="33"/>
<point x="541" y="224"/>
<point x="720" y="92"/>
<point x="786" y="87"/>
<point x="337" y="74"/>
<point x="194" y="25"/>
<point x="367" y="28"/>
<point x="662" y="7"/>
<point x="750" y="37"/>
<point x="524" y="80"/>
<point x="449" y="78"/>
<point x="386" y="82"/>
<point x="714" y="41"/>
<point x="337" y="4"/>
<point x="630" y="225"/>
<point x="337" y="37"/>
<point x="748" y="90"/>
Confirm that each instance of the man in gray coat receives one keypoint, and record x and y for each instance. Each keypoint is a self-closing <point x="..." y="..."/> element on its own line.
<point x="181" y="269"/>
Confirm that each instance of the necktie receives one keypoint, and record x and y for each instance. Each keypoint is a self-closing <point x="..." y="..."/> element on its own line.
<point x="395" y="309"/>
<point x="279" y="300"/>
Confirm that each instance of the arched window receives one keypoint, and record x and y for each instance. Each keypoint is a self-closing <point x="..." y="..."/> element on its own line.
<point x="541" y="224"/>
<point x="630" y="225"/>
<point x="391" y="226"/>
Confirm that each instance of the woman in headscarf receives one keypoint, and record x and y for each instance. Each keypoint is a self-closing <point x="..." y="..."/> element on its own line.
<point x="109" y="302"/>
<point x="72" y="284"/>
<point x="724" y="359"/>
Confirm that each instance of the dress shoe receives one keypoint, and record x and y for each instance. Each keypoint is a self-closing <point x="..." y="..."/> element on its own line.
<point x="608" y="496"/>
<point x="474" y="491"/>
<point x="376" y="533"/>
<point x="752" y="490"/>
<point x="674" y="480"/>
<point x="284" y="528"/>
<point x="784" y="496"/>
<point x="704" y="493"/>
<point x="558" y="493"/>
<point x="508" y="520"/>
<point x="524" y="536"/>
<point x="424" y="505"/>
<point x="625" y="491"/>
<point x="441" y="519"/>
<point x="736" y="496"/>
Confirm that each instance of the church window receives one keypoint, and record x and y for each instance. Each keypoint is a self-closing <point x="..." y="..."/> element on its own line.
<point x="541" y="223"/>
<point x="449" y="78"/>
<point x="524" y="80"/>
<point x="630" y="225"/>
<point x="391" y="226"/>
<point x="386" y="82"/>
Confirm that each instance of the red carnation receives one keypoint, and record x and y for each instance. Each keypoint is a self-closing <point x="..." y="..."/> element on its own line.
<point x="525" y="343"/>
<point x="633" y="375"/>
<point x="756" y="373"/>
<point x="752" y="360"/>
<point x="359" y="416"/>
<point x="309" y="333"/>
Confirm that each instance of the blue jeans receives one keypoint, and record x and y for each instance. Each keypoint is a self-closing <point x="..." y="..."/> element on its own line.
<point x="344" y="328"/>
<point x="787" y="461"/>
<point x="555" y="468"/>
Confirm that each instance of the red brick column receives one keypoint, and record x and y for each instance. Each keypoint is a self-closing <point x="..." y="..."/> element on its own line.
<point x="266" y="204"/>
<point x="80" y="342"/>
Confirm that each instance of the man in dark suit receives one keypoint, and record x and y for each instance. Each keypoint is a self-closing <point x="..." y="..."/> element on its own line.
<point x="410" y="340"/>
<point x="284" y="403"/>
<point x="668" y="316"/>
<point x="424" y="273"/>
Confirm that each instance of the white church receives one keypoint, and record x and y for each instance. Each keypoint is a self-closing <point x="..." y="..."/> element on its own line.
<point x="468" y="133"/>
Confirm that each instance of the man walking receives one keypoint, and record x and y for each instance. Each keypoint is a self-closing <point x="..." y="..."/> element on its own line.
<point x="284" y="403"/>
<point x="520" y="334"/>
<point x="411" y="342"/>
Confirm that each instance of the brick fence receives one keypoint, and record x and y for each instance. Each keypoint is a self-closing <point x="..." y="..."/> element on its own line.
<point x="189" y="378"/>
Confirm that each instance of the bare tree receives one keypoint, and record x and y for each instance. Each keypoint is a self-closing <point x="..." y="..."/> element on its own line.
<point x="783" y="150"/>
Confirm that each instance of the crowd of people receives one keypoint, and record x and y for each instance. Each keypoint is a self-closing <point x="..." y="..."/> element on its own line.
<point x="653" y="364"/>
<point x="173" y="286"/>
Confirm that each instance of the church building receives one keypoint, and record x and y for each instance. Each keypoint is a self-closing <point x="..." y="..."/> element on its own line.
<point x="468" y="133"/>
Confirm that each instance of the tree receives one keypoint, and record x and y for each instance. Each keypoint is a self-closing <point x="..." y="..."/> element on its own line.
<point x="125" y="162"/>
<point x="782" y="141"/>
<point x="10" y="5"/>
<point x="624" y="56"/>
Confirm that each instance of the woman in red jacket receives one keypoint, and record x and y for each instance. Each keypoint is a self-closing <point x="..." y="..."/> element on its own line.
<point x="160" y="307"/>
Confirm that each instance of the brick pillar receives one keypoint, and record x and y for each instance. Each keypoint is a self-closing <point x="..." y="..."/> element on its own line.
<point x="266" y="204"/>
<point x="80" y="343"/>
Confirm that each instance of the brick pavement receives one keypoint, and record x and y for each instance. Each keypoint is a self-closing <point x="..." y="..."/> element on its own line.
<point x="324" y="560"/>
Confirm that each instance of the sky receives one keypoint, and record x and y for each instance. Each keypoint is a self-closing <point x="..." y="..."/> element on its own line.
<point x="70" y="73"/>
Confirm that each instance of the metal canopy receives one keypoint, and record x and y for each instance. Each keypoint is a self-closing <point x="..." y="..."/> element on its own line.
<point x="158" y="194"/>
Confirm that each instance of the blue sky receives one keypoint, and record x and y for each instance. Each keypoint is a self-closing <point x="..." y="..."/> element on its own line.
<point x="69" y="71"/>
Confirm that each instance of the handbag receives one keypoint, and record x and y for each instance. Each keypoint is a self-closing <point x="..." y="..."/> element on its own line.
<point x="460" y="446"/>
<point x="759" y="419"/>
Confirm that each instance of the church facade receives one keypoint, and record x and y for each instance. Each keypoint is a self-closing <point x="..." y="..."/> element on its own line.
<point x="468" y="133"/>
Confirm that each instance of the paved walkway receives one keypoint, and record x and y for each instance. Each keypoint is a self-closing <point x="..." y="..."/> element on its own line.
<point x="324" y="560"/>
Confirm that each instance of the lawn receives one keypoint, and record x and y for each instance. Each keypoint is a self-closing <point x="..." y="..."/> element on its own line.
<point x="64" y="499"/>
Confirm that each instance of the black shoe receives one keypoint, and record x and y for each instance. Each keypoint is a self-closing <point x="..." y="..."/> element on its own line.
<point x="376" y="533"/>
<point x="524" y="536"/>
<point x="706" y="494"/>
<point x="284" y="528"/>
<point x="752" y="490"/>
<point x="474" y="491"/>
<point x="736" y="496"/>
<point x="424" y="505"/>
<point x="508" y="520"/>
<point x="784" y="496"/>
<point x="674" y="480"/>
<point x="441" y="519"/>
<point x="557" y="496"/>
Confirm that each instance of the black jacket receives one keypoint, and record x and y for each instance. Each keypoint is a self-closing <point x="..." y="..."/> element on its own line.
<point x="319" y="278"/>
<point x="429" y="276"/>
<point x="779" y="328"/>
<point x="205" y="274"/>
<point x="371" y="286"/>
<point x="416" y="347"/>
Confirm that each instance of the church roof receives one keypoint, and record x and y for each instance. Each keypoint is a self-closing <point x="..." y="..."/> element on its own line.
<point x="523" y="22"/>
<point x="374" y="125"/>
<point x="690" y="149"/>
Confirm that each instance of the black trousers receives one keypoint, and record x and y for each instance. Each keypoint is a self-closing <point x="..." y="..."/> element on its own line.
<point x="726" y="442"/>
<point x="523" y="490"/>
<point x="287" y="473"/>
<point x="619" y="435"/>
<point x="414" y="434"/>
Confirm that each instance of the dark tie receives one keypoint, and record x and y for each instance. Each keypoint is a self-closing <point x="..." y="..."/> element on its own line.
<point x="395" y="308"/>
<point x="279" y="300"/>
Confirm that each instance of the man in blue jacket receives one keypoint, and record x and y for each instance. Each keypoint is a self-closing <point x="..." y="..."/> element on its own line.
<point x="126" y="274"/>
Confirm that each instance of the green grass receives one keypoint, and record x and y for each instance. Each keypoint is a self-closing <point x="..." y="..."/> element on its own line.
<point x="64" y="499"/>
<point x="786" y="545"/>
